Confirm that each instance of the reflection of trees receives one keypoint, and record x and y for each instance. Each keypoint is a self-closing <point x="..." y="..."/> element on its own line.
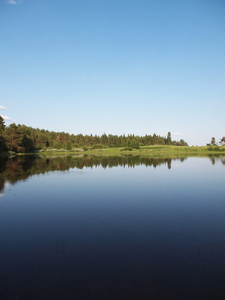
<point x="215" y="159"/>
<point x="20" y="168"/>
<point x="3" y="162"/>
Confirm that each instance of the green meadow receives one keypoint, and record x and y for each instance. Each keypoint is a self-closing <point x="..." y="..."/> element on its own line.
<point x="144" y="151"/>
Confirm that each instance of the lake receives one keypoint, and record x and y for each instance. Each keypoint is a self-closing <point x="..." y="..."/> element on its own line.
<point x="112" y="228"/>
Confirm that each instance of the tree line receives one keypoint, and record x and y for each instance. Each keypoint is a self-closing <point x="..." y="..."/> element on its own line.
<point x="24" y="139"/>
<point x="213" y="141"/>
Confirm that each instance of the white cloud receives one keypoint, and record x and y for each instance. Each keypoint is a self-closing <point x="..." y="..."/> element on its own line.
<point x="6" y="118"/>
<point x="14" y="1"/>
<point x="11" y="2"/>
<point x="177" y="133"/>
<point x="2" y="107"/>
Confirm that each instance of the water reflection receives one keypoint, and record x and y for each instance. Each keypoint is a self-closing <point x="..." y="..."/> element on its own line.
<point x="217" y="159"/>
<point x="122" y="233"/>
<point x="20" y="168"/>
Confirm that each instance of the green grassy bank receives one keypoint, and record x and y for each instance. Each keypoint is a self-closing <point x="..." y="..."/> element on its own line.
<point x="144" y="151"/>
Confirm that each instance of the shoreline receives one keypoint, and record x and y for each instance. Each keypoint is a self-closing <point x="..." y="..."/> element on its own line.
<point x="144" y="151"/>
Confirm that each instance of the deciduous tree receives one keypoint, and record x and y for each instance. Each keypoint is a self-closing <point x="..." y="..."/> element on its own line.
<point x="213" y="141"/>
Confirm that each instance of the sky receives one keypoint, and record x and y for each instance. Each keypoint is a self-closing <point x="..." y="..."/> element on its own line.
<point x="115" y="66"/>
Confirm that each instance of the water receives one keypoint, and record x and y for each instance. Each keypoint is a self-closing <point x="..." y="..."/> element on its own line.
<point x="112" y="228"/>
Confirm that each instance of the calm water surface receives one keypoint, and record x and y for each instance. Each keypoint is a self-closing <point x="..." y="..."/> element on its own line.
<point x="116" y="228"/>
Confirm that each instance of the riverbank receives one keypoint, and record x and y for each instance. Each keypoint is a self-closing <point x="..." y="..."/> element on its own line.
<point x="144" y="151"/>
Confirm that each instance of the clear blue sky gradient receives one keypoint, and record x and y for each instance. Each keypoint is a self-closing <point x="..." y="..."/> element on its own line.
<point x="115" y="66"/>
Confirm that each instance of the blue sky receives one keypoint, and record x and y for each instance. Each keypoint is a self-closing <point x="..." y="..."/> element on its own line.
<point x="115" y="66"/>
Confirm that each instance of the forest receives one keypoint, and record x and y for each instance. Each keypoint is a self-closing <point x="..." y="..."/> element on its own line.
<point x="24" y="139"/>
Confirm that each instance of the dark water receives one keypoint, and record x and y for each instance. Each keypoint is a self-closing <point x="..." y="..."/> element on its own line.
<point x="116" y="228"/>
